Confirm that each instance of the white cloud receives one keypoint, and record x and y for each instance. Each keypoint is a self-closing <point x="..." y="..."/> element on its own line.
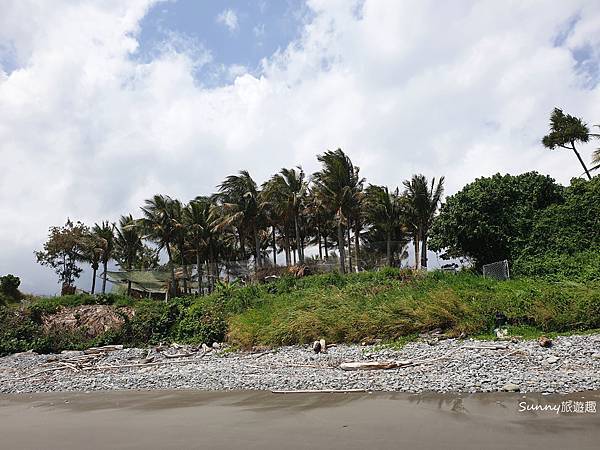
<point x="229" y="18"/>
<point x="462" y="90"/>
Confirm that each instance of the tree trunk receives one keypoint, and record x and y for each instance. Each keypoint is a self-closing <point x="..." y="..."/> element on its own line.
<point x="357" y="244"/>
<point x="242" y="244"/>
<point x="274" y="248"/>
<point x="185" y="274"/>
<point x="298" y="243"/>
<point x="211" y="268"/>
<point x="319" y="241"/>
<point x="286" y="241"/>
<point x="424" y="252"/>
<point x="341" y="243"/>
<point x="587" y="172"/>
<point x="416" y="244"/>
<point x="388" y="250"/>
<point x="173" y="281"/>
<point x="94" y="269"/>
<point x="349" y="247"/>
<point x="198" y="271"/>
<point x="326" y="247"/>
<point x="257" y="262"/>
<point x="105" y="266"/>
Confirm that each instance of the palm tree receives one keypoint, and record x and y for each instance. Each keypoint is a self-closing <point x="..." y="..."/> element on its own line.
<point x="91" y="252"/>
<point x="565" y="131"/>
<point x="384" y="212"/>
<point x="201" y="234"/>
<point x="422" y="202"/>
<point x="106" y="237"/>
<point x="240" y="206"/>
<point x="128" y="244"/>
<point x="338" y="185"/>
<point x="286" y="192"/>
<point x="158" y="226"/>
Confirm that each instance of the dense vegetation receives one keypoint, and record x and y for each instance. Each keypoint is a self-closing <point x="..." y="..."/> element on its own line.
<point x="549" y="233"/>
<point x="542" y="228"/>
<point x="389" y="304"/>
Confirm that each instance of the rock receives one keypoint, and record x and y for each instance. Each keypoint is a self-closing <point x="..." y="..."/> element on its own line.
<point x="216" y="345"/>
<point x="544" y="342"/>
<point x="316" y="347"/>
<point x="501" y="332"/>
<point x="596" y="355"/>
<point x="206" y="348"/>
<point x="511" y="387"/>
<point x="323" y="346"/>
<point x="552" y="360"/>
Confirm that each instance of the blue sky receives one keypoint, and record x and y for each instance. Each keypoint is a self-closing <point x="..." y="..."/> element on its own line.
<point x="234" y="33"/>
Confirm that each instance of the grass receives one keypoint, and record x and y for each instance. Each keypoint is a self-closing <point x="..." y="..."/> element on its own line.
<point x="391" y="305"/>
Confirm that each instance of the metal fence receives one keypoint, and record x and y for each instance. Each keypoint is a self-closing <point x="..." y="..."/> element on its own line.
<point x="498" y="270"/>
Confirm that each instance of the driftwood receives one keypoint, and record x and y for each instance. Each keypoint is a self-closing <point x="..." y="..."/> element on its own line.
<point x="104" y="349"/>
<point x="486" y="347"/>
<point x="177" y="355"/>
<point x="375" y="365"/>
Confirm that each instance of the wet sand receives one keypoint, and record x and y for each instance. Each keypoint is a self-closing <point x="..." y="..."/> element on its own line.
<point x="261" y="420"/>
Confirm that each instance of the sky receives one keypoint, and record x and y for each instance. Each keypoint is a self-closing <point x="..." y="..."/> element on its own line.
<point x="106" y="103"/>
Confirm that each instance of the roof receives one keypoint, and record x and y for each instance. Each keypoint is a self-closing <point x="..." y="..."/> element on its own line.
<point x="153" y="281"/>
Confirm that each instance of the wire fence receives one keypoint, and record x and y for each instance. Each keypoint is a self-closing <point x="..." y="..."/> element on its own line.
<point x="498" y="270"/>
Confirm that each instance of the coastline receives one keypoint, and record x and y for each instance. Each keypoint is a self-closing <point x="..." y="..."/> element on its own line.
<point x="572" y="364"/>
<point x="260" y="420"/>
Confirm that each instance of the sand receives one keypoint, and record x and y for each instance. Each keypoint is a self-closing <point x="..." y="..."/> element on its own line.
<point x="262" y="420"/>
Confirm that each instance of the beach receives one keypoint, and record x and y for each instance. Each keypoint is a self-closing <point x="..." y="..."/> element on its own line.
<point x="259" y="420"/>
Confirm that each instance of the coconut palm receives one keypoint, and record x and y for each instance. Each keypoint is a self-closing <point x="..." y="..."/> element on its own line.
<point x="91" y="252"/>
<point x="422" y="202"/>
<point x="201" y="234"/>
<point x="128" y="244"/>
<point x="338" y="184"/>
<point x="565" y="131"/>
<point x="286" y="193"/>
<point x="106" y="238"/>
<point x="240" y="207"/>
<point x="159" y="227"/>
<point x="384" y="212"/>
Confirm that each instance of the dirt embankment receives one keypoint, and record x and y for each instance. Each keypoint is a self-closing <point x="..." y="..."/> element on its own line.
<point x="92" y="320"/>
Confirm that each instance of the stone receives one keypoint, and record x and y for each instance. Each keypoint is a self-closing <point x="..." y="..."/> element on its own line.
<point x="552" y="360"/>
<point x="544" y="342"/>
<point x="216" y="345"/>
<point x="511" y="387"/>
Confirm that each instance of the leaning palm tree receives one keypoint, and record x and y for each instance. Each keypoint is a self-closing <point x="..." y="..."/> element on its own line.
<point x="422" y="202"/>
<point x="384" y="212"/>
<point x="128" y="244"/>
<point x="286" y="192"/>
<point x="565" y="131"/>
<point x="338" y="184"/>
<point x="159" y="227"/>
<point x="106" y="237"/>
<point x="201" y="234"/>
<point x="240" y="207"/>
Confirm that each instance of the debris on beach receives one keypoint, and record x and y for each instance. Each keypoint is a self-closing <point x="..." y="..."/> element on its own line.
<point x="374" y="365"/>
<point x="544" y="342"/>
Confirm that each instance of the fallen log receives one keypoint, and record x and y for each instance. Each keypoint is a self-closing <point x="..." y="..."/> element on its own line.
<point x="104" y="349"/>
<point x="375" y="365"/>
<point x="486" y="347"/>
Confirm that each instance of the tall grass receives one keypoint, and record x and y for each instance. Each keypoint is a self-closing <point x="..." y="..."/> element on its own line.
<point x="390" y="305"/>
